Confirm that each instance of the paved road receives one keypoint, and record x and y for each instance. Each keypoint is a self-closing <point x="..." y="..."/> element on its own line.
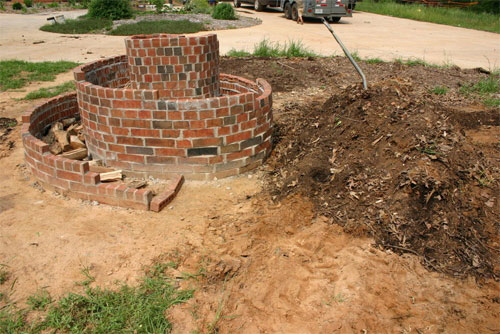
<point x="370" y="35"/>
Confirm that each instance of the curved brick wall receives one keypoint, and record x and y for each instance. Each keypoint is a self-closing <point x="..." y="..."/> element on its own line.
<point x="144" y="135"/>
<point x="71" y="177"/>
<point x="177" y="66"/>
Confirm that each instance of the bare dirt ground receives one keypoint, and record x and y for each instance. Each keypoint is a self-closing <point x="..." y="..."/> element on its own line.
<point x="273" y="257"/>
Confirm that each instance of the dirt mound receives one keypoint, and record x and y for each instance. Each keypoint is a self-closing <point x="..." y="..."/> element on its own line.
<point x="397" y="165"/>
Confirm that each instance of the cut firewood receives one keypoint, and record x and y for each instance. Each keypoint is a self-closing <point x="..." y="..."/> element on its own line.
<point x="56" y="126"/>
<point x="75" y="142"/>
<point x="137" y="184"/>
<point x="95" y="163"/>
<point x="55" y="148"/>
<point x="100" y="169"/>
<point x="68" y="121"/>
<point x="72" y="131"/>
<point x="111" y="176"/>
<point x="77" y="154"/>
<point x="62" y="139"/>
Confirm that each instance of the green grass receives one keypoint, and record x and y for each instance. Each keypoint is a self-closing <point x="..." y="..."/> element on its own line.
<point x="265" y="48"/>
<point x="486" y="89"/>
<point x="40" y="300"/>
<point x="439" y="90"/>
<point x="79" y="26"/>
<point x="373" y="61"/>
<point x="4" y="275"/>
<point x="50" y="91"/>
<point x="16" y="74"/>
<point x="449" y="16"/>
<point x="155" y="27"/>
<point x="140" y="309"/>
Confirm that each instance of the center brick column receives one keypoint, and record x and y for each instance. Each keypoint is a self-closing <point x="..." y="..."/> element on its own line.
<point x="175" y="65"/>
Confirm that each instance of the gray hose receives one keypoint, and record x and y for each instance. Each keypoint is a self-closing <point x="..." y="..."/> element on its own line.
<point x="348" y="54"/>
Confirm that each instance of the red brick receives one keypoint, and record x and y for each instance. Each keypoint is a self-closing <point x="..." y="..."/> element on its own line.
<point x="145" y="132"/>
<point x="129" y="141"/>
<point x="160" y="142"/>
<point x="238" y="137"/>
<point x="69" y="176"/>
<point x="131" y="157"/>
<point x="170" y="152"/>
<point x="128" y="104"/>
<point x="198" y="133"/>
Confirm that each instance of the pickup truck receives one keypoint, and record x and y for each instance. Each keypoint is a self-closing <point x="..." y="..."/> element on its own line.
<point x="332" y="10"/>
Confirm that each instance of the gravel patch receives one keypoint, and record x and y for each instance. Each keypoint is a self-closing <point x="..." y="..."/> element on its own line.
<point x="209" y="22"/>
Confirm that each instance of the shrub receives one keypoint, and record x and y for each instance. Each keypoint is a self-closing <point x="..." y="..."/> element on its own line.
<point x="224" y="11"/>
<point x="17" y="6"/>
<point x="158" y="5"/>
<point x="28" y="3"/>
<point x="2" y="6"/>
<point x="53" y="5"/>
<point x="198" y="6"/>
<point x="110" y="9"/>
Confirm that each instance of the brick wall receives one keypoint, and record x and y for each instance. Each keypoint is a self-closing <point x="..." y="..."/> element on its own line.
<point x="177" y="66"/>
<point x="144" y="134"/>
<point x="71" y="177"/>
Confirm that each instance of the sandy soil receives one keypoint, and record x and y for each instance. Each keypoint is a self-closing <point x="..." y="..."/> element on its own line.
<point x="270" y="265"/>
<point x="370" y="35"/>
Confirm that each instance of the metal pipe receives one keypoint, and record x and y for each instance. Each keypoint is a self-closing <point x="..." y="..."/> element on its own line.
<point x="348" y="54"/>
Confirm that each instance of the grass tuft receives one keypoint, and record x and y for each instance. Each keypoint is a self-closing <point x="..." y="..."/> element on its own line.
<point x="373" y="60"/>
<point x="267" y="49"/>
<point x="40" y="300"/>
<point x="51" y="91"/>
<point x="79" y="26"/>
<point x="4" y="274"/>
<point x="449" y="16"/>
<point x="439" y="90"/>
<point x="156" y="27"/>
<point x="486" y="89"/>
<point x="16" y="74"/>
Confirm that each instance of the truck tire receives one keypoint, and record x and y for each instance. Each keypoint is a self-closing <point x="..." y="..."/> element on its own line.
<point x="237" y="3"/>
<point x="288" y="10"/>
<point x="333" y="19"/>
<point x="258" y="6"/>
<point x="295" y="12"/>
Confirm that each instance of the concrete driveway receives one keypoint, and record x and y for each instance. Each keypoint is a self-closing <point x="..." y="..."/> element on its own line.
<point x="370" y="35"/>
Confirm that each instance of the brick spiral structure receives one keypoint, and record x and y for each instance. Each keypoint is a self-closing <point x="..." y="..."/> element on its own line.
<point x="162" y="110"/>
<point x="177" y="66"/>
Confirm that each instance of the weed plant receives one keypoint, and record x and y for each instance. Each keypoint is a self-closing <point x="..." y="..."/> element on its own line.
<point x="265" y="48"/>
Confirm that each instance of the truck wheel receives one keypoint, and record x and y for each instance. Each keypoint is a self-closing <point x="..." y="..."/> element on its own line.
<point x="295" y="12"/>
<point x="258" y="6"/>
<point x="288" y="10"/>
<point x="237" y="3"/>
<point x="334" y="19"/>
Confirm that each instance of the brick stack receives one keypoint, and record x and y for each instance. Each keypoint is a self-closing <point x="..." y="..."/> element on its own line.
<point x="66" y="176"/>
<point x="176" y="66"/>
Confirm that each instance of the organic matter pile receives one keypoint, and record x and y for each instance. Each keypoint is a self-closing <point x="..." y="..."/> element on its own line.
<point x="397" y="165"/>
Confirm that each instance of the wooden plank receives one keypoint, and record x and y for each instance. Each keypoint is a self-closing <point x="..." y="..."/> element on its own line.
<point x="111" y="176"/>
<point x="78" y="154"/>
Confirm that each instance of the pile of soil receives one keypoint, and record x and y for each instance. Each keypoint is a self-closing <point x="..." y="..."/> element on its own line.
<point x="395" y="164"/>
